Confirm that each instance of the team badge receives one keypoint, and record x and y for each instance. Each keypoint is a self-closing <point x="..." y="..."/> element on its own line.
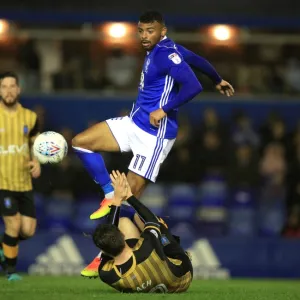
<point x="7" y="202"/>
<point x="25" y="129"/>
<point x="164" y="240"/>
<point x="175" y="58"/>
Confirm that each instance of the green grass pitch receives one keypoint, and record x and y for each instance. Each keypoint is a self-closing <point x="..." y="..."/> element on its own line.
<point x="77" y="288"/>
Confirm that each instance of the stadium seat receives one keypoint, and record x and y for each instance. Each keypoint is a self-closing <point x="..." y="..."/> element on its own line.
<point x="155" y="198"/>
<point x="59" y="213"/>
<point x="242" y="213"/>
<point x="181" y="204"/>
<point x="211" y="208"/>
<point x="83" y="210"/>
<point x="271" y="212"/>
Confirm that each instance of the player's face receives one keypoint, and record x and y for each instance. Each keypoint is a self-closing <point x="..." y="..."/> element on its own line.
<point x="150" y="34"/>
<point x="9" y="91"/>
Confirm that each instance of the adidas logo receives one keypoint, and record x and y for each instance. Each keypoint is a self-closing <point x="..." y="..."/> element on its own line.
<point x="62" y="258"/>
<point x="205" y="261"/>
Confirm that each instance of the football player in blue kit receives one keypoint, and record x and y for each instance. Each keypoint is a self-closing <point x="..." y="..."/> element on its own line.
<point x="149" y="132"/>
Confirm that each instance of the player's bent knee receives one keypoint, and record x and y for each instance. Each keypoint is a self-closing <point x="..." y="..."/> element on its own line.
<point x="12" y="225"/>
<point x="123" y="222"/>
<point x="27" y="232"/>
<point x="78" y="141"/>
<point x="28" y="227"/>
<point x="128" y="228"/>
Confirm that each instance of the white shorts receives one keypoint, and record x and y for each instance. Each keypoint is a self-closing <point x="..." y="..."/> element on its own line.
<point x="149" y="151"/>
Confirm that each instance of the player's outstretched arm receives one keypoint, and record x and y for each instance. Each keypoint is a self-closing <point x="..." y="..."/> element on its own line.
<point x="170" y="63"/>
<point x="190" y="86"/>
<point x="123" y="191"/>
<point x="206" y="68"/>
<point x="200" y="63"/>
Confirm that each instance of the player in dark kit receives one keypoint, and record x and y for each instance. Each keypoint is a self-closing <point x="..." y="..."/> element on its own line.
<point x="152" y="262"/>
<point x="18" y="129"/>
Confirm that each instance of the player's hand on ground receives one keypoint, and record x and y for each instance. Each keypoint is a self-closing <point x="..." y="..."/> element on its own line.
<point x="156" y="116"/>
<point x="225" y="88"/>
<point x="35" y="168"/>
<point x="121" y="186"/>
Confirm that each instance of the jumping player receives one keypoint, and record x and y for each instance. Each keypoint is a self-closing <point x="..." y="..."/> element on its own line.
<point x="167" y="82"/>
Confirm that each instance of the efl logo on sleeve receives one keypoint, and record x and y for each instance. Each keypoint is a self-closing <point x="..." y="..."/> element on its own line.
<point x="175" y="58"/>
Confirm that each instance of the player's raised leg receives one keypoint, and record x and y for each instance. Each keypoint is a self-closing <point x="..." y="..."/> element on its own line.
<point x="109" y="136"/>
<point x="149" y="152"/>
<point x="129" y="229"/>
<point x="87" y="145"/>
<point x="137" y="183"/>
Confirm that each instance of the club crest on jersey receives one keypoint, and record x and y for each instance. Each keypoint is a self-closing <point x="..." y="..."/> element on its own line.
<point x="164" y="240"/>
<point x="25" y="129"/>
<point x="175" y="58"/>
<point x="7" y="202"/>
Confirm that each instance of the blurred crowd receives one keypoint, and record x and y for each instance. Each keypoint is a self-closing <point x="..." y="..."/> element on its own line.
<point x="265" y="160"/>
<point x="56" y="65"/>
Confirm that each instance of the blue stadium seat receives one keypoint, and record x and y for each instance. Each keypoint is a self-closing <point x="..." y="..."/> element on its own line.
<point x="181" y="204"/>
<point x="155" y="198"/>
<point x="83" y="210"/>
<point x="211" y="209"/>
<point x="271" y="212"/>
<point x="242" y="222"/>
<point x="243" y="198"/>
<point x="242" y="213"/>
<point x="213" y="191"/>
<point x="59" y="213"/>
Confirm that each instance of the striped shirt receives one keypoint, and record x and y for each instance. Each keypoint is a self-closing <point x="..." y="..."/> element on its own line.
<point x="16" y="129"/>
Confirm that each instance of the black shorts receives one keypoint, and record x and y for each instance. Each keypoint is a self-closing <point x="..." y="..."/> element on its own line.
<point x="12" y="203"/>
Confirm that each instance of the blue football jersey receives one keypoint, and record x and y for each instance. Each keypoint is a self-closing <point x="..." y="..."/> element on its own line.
<point x="157" y="88"/>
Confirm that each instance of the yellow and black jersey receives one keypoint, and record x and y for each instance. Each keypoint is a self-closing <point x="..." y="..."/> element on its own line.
<point x="149" y="270"/>
<point x="16" y="129"/>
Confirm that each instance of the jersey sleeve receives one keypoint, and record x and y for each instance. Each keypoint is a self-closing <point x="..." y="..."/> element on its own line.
<point x="168" y="58"/>
<point x="171" y="63"/>
<point x="114" y="215"/>
<point x="199" y="63"/>
<point x="144" y="212"/>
